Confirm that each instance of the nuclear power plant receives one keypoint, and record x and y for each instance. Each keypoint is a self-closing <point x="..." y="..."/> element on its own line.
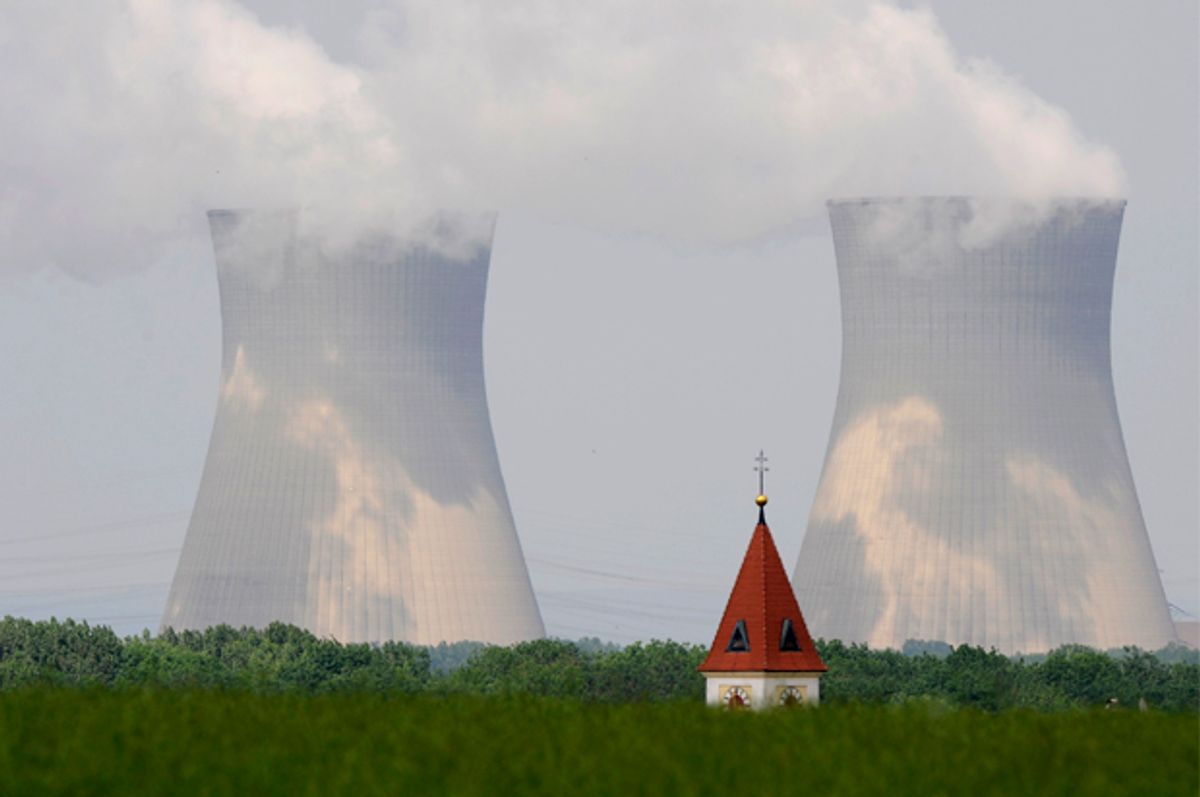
<point x="352" y="485"/>
<point x="976" y="487"/>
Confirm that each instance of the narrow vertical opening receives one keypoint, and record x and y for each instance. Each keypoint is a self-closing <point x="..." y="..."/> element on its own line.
<point x="787" y="636"/>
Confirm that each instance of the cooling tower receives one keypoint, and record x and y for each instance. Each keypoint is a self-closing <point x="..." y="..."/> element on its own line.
<point x="352" y="485"/>
<point x="976" y="487"/>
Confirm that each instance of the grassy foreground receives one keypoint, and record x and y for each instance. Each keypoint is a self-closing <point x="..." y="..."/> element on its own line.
<point x="63" y="741"/>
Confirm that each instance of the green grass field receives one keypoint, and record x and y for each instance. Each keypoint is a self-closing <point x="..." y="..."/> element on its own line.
<point x="62" y="741"/>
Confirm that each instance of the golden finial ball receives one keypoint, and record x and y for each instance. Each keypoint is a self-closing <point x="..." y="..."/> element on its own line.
<point x="761" y="500"/>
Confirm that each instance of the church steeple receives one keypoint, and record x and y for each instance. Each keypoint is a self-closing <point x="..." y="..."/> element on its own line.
<point x="762" y="632"/>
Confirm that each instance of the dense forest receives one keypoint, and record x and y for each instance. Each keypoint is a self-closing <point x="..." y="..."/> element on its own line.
<point x="284" y="658"/>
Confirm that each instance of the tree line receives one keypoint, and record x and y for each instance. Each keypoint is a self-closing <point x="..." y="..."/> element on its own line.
<point x="284" y="658"/>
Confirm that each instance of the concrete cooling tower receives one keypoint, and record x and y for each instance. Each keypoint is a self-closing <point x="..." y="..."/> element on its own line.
<point x="352" y="485"/>
<point x="976" y="487"/>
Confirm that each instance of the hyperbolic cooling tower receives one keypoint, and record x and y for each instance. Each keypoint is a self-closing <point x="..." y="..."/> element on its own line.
<point x="976" y="488"/>
<point x="352" y="485"/>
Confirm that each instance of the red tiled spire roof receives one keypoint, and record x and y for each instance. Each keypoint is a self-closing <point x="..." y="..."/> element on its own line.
<point x="761" y="600"/>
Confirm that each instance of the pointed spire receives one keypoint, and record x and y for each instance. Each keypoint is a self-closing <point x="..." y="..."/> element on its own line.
<point x="762" y="629"/>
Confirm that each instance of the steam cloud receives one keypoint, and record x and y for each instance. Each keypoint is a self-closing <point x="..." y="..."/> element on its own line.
<point x="709" y="122"/>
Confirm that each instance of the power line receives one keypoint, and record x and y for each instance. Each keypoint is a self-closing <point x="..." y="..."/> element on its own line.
<point x="96" y="588"/>
<point x="108" y="565"/>
<point x="658" y="582"/>
<point x="101" y="528"/>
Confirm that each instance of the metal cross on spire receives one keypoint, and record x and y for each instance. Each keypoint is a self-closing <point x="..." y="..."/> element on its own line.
<point x="762" y="469"/>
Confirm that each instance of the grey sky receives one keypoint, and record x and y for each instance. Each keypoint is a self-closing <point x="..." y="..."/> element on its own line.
<point x="632" y="377"/>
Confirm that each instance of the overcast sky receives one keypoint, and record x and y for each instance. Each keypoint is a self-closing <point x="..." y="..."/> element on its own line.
<point x="663" y="299"/>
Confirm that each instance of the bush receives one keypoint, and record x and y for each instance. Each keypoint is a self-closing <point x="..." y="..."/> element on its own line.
<point x="283" y="658"/>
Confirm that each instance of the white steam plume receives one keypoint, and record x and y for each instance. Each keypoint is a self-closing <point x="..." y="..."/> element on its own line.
<point x="711" y="121"/>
